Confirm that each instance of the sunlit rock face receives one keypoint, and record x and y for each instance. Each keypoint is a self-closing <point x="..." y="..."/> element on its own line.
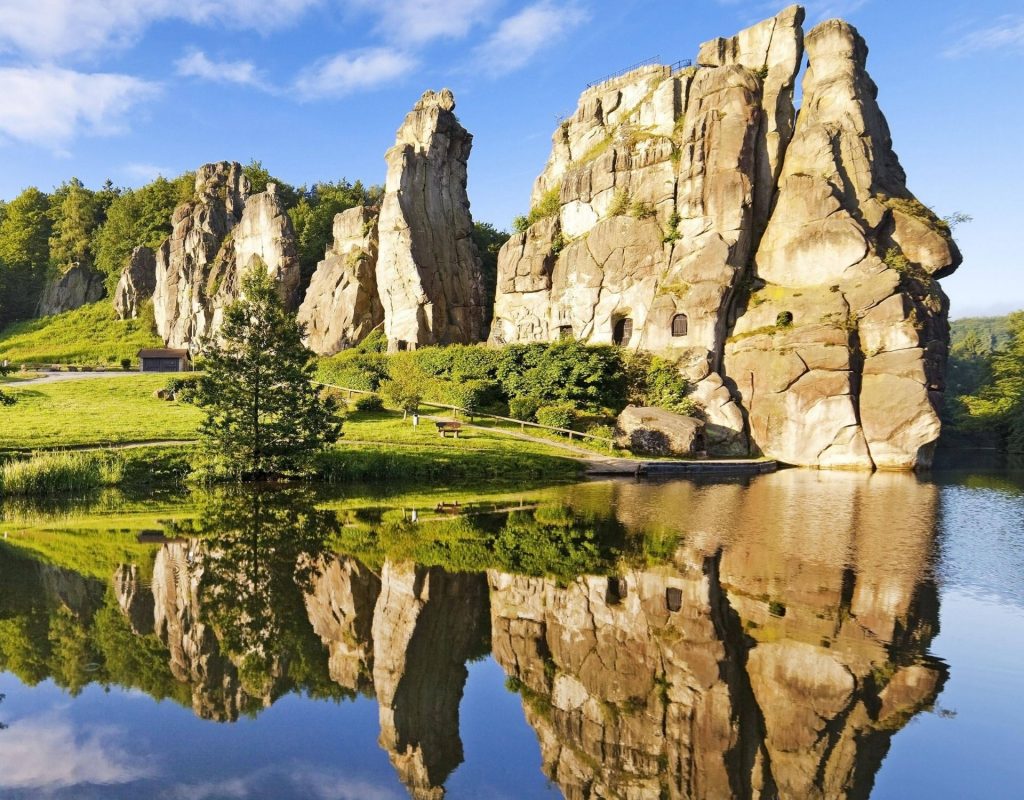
<point x="136" y="284"/>
<point x="426" y="625"/>
<point x="341" y="306"/>
<point x="216" y="238"/>
<point x="134" y="599"/>
<point x="782" y="262"/>
<point x="773" y="657"/>
<point x="428" y="270"/>
<point x="78" y="285"/>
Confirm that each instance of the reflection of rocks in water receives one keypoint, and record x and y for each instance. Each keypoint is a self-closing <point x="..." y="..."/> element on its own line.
<point x="134" y="599"/>
<point x="195" y="653"/>
<point x="340" y="603"/>
<point x="796" y="651"/>
<point x="426" y="625"/>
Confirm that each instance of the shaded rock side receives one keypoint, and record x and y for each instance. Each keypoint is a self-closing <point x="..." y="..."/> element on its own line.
<point x="839" y="356"/>
<point x="134" y="599"/>
<point x="342" y="306"/>
<point x="426" y="625"/>
<point x="188" y="264"/>
<point x="428" y="270"/>
<point x="657" y="432"/>
<point x="78" y="286"/>
<point x="136" y="284"/>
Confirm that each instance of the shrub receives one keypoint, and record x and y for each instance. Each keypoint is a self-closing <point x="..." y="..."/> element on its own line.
<point x="655" y="381"/>
<point x="603" y="431"/>
<point x="523" y="407"/>
<point x="672" y="228"/>
<point x="354" y="369"/>
<point x="369" y="402"/>
<point x="619" y="204"/>
<point x="586" y="376"/>
<point x="471" y="395"/>
<point x="641" y="209"/>
<point x="558" y="415"/>
<point x="184" y="388"/>
<point x="126" y="364"/>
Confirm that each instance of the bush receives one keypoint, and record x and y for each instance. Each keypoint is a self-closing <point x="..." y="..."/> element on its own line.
<point x="590" y="377"/>
<point x="354" y="369"/>
<point x="184" y="388"/>
<point x="126" y="364"/>
<point x="603" y="431"/>
<point x="471" y="395"/>
<point x="655" y="381"/>
<point x="558" y="415"/>
<point x="523" y="407"/>
<point x="369" y="402"/>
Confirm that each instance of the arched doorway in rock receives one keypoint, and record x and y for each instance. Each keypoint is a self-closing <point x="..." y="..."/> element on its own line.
<point x="622" y="331"/>
<point x="680" y="325"/>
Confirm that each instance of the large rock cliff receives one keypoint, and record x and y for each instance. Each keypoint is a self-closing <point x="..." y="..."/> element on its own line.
<point x="428" y="270"/>
<point x="341" y="305"/>
<point x="781" y="262"/>
<point x="76" y="287"/>
<point x="136" y="284"/>
<point x="215" y="238"/>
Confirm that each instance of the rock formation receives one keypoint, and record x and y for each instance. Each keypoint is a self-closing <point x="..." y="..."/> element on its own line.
<point x="136" y="284"/>
<point x="341" y="305"/>
<point x="428" y="270"/>
<point x="657" y="432"/>
<point x="217" y="236"/>
<point x="782" y="264"/>
<point x="76" y="287"/>
<point x="134" y="599"/>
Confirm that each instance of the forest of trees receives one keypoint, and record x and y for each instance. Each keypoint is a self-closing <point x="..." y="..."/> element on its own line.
<point x="42" y="234"/>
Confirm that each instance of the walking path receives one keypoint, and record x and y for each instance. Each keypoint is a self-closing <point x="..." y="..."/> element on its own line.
<point x="56" y="377"/>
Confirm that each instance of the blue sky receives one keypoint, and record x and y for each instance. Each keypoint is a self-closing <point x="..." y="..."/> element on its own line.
<point x="316" y="89"/>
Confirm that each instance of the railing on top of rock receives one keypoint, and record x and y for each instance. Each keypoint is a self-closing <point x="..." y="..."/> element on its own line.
<point x="682" y="63"/>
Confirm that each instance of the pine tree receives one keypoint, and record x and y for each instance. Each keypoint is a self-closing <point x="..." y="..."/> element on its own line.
<point x="265" y="418"/>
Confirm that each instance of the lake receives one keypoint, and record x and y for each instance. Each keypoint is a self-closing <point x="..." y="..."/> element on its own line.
<point x="802" y="635"/>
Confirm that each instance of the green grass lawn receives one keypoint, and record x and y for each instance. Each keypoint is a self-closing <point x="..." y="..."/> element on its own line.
<point x="93" y="411"/>
<point x="91" y="335"/>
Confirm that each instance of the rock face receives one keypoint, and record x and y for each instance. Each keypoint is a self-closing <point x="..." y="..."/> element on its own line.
<point x="136" y="284"/>
<point x="76" y="287"/>
<point x="782" y="264"/>
<point x="217" y="236"/>
<point x="428" y="270"/>
<point x="341" y="305"/>
<point x="657" y="432"/>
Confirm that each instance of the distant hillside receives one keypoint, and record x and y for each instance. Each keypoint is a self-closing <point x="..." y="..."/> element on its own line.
<point x="993" y="332"/>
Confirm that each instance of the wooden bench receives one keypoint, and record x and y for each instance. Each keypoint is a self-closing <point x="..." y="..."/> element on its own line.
<point x="445" y="427"/>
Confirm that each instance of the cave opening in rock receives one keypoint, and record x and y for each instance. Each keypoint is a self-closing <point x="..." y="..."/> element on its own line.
<point x="622" y="332"/>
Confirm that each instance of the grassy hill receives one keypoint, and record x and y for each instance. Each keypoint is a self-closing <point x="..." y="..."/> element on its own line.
<point x="88" y="336"/>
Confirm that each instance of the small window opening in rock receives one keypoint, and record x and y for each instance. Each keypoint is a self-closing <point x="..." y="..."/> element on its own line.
<point x="679" y="325"/>
<point x="673" y="599"/>
<point x="565" y="332"/>
<point x="616" y="591"/>
<point x="622" y="332"/>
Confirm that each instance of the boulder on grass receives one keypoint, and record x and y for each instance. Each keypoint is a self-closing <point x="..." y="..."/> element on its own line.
<point x="657" y="432"/>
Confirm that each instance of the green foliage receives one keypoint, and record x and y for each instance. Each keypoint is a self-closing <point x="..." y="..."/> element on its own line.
<point x="784" y="319"/>
<point x="259" y="177"/>
<point x="24" y="254"/>
<point x="523" y="407"/>
<point x="672" y="228"/>
<point x="369" y="402"/>
<point x="184" y="388"/>
<point x="558" y="415"/>
<point x="76" y="212"/>
<point x="641" y="209"/>
<point x="894" y="259"/>
<point x="619" y="204"/>
<point x="999" y="403"/>
<point x="264" y="417"/>
<point x="913" y="207"/>
<point x="60" y="472"/>
<point x="548" y="206"/>
<point x="471" y="395"/>
<point x="489" y="240"/>
<point x="91" y="335"/>
<point x="407" y="384"/>
<point x="590" y="377"/>
<point x="655" y="381"/>
<point x="138" y="217"/>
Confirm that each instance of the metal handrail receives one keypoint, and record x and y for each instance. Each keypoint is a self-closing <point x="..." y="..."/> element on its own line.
<point x="646" y="62"/>
<point x="522" y="423"/>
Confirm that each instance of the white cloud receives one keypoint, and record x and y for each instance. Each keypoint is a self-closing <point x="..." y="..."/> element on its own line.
<point x="354" y="71"/>
<point x="196" y="64"/>
<point x="57" y="28"/>
<point x="46" y="753"/>
<point x="1007" y="33"/>
<point x="146" y="173"/>
<point x="305" y="780"/>
<point x="419" y="21"/>
<point x="50" y="106"/>
<point x="520" y="37"/>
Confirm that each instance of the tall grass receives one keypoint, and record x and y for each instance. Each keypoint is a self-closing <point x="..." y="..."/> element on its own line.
<point x="60" y="472"/>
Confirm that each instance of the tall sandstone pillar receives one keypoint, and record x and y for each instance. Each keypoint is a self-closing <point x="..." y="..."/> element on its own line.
<point x="428" y="271"/>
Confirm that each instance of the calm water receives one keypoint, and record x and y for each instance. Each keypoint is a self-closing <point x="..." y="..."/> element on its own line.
<point x="796" y="635"/>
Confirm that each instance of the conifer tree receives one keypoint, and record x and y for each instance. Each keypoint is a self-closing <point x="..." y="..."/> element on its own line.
<point x="264" y="416"/>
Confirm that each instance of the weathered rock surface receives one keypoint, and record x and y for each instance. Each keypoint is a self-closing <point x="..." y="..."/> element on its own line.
<point x="855" y="377"/>
<point x="342" y="306"/>
<point x="136" y="284"/>
<point x="134" y="599"/>
<point x="657" y="432"/>
<point x="428" y="270"/>
<point x="216" y="238"/>
<point x="76" y="287"/>
<point x="781" y="263"/>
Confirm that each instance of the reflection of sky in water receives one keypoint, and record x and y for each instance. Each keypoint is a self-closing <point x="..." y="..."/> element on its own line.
<point x="788" y="529"/>
<point x="63" y="748"/>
